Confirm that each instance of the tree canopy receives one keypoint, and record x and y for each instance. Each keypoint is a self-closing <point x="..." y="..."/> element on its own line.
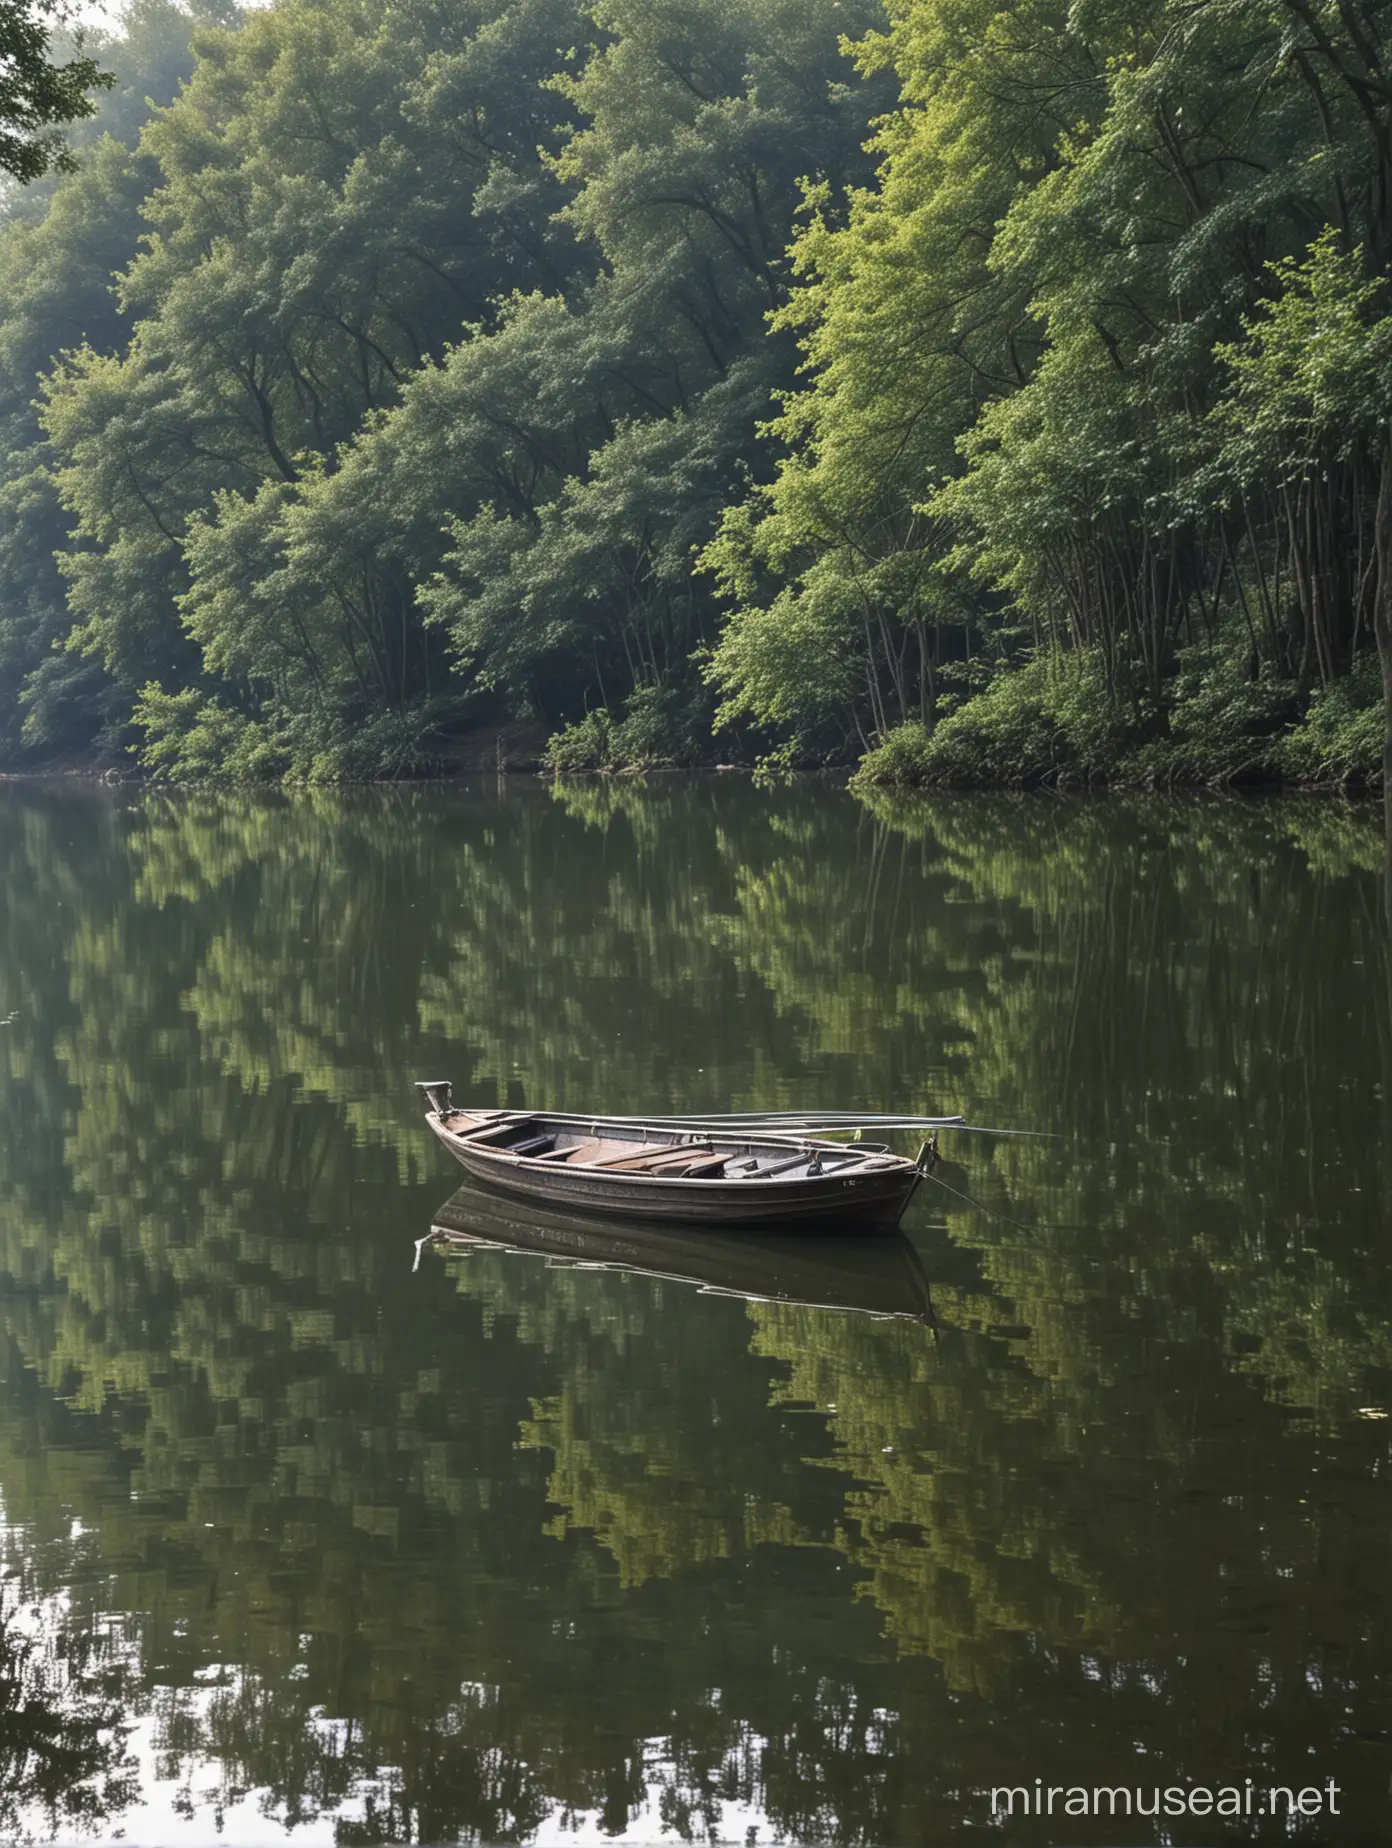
<point x="39" y="95"/>
<point x="787" y="376"/>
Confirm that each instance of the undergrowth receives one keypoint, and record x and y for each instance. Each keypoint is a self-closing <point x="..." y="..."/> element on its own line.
<point x="658" y="727"/>
<point x="1225" y="718"/>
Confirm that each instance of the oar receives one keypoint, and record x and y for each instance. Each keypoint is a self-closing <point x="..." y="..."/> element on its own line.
<point x="843" y="1120"/>
<point x="773" y="1123"/>
<point x="807" y="1119"/>
<point x="820" y="1123"/>
<point x="751" y="1124"/>
<point x="798" y="1123"/>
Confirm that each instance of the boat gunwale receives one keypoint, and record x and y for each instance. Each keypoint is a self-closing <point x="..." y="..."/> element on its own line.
<point x="889" y="1162"/>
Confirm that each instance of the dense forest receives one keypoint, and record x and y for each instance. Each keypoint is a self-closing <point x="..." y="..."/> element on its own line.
<point x="977" y="392"/>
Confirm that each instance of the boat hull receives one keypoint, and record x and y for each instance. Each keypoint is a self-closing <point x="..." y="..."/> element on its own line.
<point x="874" y="1197"/>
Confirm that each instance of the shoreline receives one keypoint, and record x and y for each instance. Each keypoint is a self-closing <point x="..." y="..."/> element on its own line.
<point x="117" y="776"/>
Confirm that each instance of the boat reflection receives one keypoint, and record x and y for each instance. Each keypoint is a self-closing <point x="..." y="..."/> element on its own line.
<point x="875" y="1273"/>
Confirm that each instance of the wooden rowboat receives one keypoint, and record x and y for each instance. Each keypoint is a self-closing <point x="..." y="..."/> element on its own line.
<point x="880" y="1275"/>
<point x="623" y="1169"/>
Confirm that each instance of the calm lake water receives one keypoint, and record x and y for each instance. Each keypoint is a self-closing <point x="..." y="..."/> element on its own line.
<point x="497" y="1549"/>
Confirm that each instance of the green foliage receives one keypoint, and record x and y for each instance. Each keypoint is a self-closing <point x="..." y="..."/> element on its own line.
<point x="583" y="745"/>
<point x="1052" y="720"/>
<point x="384" y="747"/>
<point x="60" y="246"/>
<point x="1227" y="717"/>
<point x="1340" y="739"/>
<point x="694" y="129"/>
<point x="903" y="760"/>
<point x="1311" y="381"/>
<point x="39" y="95"/>
<point x="190" y="738"/>
<point x="788" y="665"/>
<point x="1227" y="710"/>
<point x="1077" y="362"/>
<point x="660" y="727"/>
<point x="334" y="204"/>
<point x="509" y="358"/>
<point x="444" y="348"/>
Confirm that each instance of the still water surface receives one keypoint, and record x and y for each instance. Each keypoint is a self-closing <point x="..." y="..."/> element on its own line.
<point x="497" y="1549"/>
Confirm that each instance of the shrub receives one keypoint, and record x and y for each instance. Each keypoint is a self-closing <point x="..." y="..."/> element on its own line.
<point x="1227" y="717"/>
<point x="903" y="760"/>
<point x="192" y="738"/>
<point x="387" y="746"/>
<point x="1341" y="737"/>
<point x="1227" y="712"/>
<point x="581" y="746"/>
<point x="1051" y="720"/>
<point x="660" y="727"/>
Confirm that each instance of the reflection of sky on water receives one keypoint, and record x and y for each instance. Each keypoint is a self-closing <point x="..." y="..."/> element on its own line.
<point x="193" y="1810"/>
<point x="181" y="1799"/>
<point x="161" y="1817"/>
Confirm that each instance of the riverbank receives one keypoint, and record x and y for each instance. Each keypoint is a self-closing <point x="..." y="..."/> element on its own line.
<point x="1052" y="722"/>
<point x="1218" y="725"/>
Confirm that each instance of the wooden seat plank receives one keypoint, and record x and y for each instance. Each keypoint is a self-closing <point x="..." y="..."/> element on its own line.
<point x="637" y="1156"/>
<point x="579" y="1151"/>
<point x="496" y="1132"/>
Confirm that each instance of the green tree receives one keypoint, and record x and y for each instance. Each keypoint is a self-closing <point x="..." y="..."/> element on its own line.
<point x="1014" y="347"/>
<point x="60" y="245"/>
<point x="38" y="95"/>
<point x="1308" y="411"/>
<point x="843" y="602"/>
<point x="338" y="197"/>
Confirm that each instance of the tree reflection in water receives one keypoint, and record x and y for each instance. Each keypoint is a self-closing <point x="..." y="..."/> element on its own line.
<point x="461" y="1555"/>
<point x="64" y="1767"/>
